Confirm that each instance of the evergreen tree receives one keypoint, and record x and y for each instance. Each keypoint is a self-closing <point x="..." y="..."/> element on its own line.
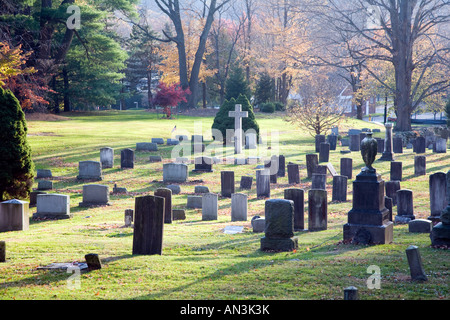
<point x="223" y="121"/>
<point x="237" y="85"/>
<point x="16" y="166"/>
<point x="265" y="89"/>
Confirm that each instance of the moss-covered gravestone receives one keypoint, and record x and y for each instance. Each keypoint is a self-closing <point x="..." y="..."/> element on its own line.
<point x="279" y="229"/>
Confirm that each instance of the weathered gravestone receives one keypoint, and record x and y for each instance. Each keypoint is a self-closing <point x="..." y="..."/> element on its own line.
<point x="388" y="205"/>
<point x="89" y="170"/>
<point x="201" y="189"/>
<point x="332" y="140"/>
<point x="45" y="185"/>
<point x="298" y="197"/>
<point x="93" y="261"/>
<point x="2" y="251"/>
<point x="43" y="173"/>
<point x="146" y="146"/>
<point x="167" y="195"/>
<point x="238" y="114"/>
<point x="438" y="197"/>
<point x="239" y="202"/>
<point x="440" y="145"/>
<point x="391" y="190"/>
<point x="279" y="226"/>
<point x="420" y="146"/>
<point x="175" y="172"/>
<point x="368" y="220"/>
<point x="203" y="164"/>
<point x="347" y="167"/>
<point x="351" y="293"/>
<point x="388" y="155"/>
<point x="14" y="215"/>
<point x="440" y="235"/>
<point x="129" y="217"/>
<point x="318" y="140"/>
<point x="355" y="143"/>
<point x="420" y="165"/>
<point x="179" y="214"/>
<point x="33" y="197"/>
<point x="281" y="166"/>
<point x="210" y="207"/>
<point x="155" y="159"/>
<point x="246" y="183"/>
<point x="53" y="206"/>
<point x="158" y="140"/>
<point x="405" y="207"/>
<point x="397" y="145"/>
<point x="107" y="157"/>
<point x="293" y="173"/>
<point x="317" y="210"/>
<point x="95" y="195"/>
<point x="396" y="171"/>
<point x="258" y="224"/>
<point x="339" y="192"/>
<point x="324" y="152"/>
<point x="176" y="189"/>
<point x="420" y="226"/>
<point x="263" y="183"/>
<point x="127" y="159"/>
<point x="194" y="202"/>
<point x="319" y="181"/>
<point x="251" y="141"/>
<point x="148" y="225"/>
<point x="415" y="264"/>
<point x="380" y="145"/>
<point x="312" y="161"/>
<point x="227" y="183"/>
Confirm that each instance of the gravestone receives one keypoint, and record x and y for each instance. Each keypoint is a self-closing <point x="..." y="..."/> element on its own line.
<point x="396" y="171"/>
<point x="89" y="170"/>
<point x="391" y="190"/>
<point x="317" y="210"/>
<point x="129" y="217"/>
<point x="2" y="251"/>
<point x="263" y="183"/>
<point x="397" y="145"/>
<point x="324" y="152"/>
<point x="351" y="293"/>
<point x="53" y="206"/>
<point x="339" y="188"/>
<point x="227" y="183"/>
<point x="158" y="140"/>
<point x="312" y="161"/>
<point x="239" y="203"/>
<point x="33" y="197"/>
<point x="440" y="235"/>
<point x="198" y="148"/>
<point x="14" y="215"/>
<point x="420" y="165"/>
<point x="117" y="189"/>
<point x="251" y="141"/>
<point x="181" y="138"/>
<point x="201" y="189"/>
<point x="318" y="140"/>
<point x="321" y="169"/>
<point x="355" y="143"/>
<point x="178" y="214"/>
<point x="146" y="146"/>
<point x="172" y="142"/>
<point x="438" y="197"/>
<point x="93" y="261"/>
<point x="281" y="166"/>
<point x="258" y="224"/>
<point x="167" y="195"/>
<point x="388" y="144"/>
<point x="415" y="264"/>
<point x="362" y="136"/>
<point x="331" y="170"/>
<point x="380" y="145"/>
<point x="405" y="207"/>
<point x="279" y="226"/>
<point x="440" y="145"/>
<point x="420" y="226"/>
<point x="194" y="202"/>
<point x="127" y="159"/>
<point x="107" y="157"/>
<point x="420" y="146"/>
<point x="176" y="189"/>
<point x="210" y="207"/>
<point x="95" y="195"/>
<point x="246" y="183"/>
<point x="332" y="140"/>
<point x="155" y="159"/>
<point x="273" y="166"/>
<point x="347" y="167"/>
<point x="238" y="114"/>
<point x="203" y="164"/>
<point x="298" y="197"/>
<point x="293" y="173"/>
<point x="148" y="225"/>
<point x="368" y="220"/>
<point x="45" y="185"/>
<point x="388" y="205"/>
<point x="43" y="173"/>
<point x="319" y="181"/>
<point x="175" y="172"/>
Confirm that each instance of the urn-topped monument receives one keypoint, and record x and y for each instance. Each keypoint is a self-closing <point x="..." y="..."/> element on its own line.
<point x="368" y="221"/>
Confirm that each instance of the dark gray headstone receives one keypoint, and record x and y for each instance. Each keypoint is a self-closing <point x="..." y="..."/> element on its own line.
<point x="317" y="210"/>
<point x="298" y="197"/>
<point x="415" y="264"/>
<point x="246" y="183"/>
<point x="167" y="195"/>
<point x="391" y="190"/>
<point x="420" y="165"/>
<point x="263" y="183"/>
<point x="319" y="139"/>
<point x="405" y="207"/>
<point x="355" y="143"/>
<point x="397" y="145"/>
<point x="227" y="183"/>
<point x="339" y="188"/>
<point x="203" y="164"/>
<point x="127" y="159"/>
<point x="319" y="181"/>
<point x="332" y="140"/>
<point x="324" y="152"/>
<point x="438" y="199"/>
<point x="396" y="171"/>
<point x="347" y="167"/>
<point x="420" y="145"/>
<point x="312" y="161"/>
<point x="293" y="173"/>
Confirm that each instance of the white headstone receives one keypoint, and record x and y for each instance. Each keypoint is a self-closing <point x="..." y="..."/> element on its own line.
<point x="238" y="114"/>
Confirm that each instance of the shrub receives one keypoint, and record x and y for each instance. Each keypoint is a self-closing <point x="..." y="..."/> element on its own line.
<point x="267" y="107"/>
<point x="222" y="121"/>
<point x="16" y="166"/>
<point x="279" y="106"/>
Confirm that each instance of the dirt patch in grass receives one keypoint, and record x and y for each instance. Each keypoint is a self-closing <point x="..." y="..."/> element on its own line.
<point x="44" y="117"/>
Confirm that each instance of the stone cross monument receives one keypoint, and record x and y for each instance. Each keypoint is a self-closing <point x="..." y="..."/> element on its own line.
<point x="238" y="114"/>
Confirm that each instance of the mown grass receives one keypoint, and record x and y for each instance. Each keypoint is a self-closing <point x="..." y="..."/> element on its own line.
<point x="199" y="261"/>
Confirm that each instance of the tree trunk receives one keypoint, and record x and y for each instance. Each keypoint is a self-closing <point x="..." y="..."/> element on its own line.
<point x="66" y="90"/>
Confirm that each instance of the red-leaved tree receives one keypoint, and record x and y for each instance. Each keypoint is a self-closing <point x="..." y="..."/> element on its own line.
<point x="168" y="96"/>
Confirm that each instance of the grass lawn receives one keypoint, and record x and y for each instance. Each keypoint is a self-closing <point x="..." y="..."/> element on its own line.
<point x="199" y="261"/>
